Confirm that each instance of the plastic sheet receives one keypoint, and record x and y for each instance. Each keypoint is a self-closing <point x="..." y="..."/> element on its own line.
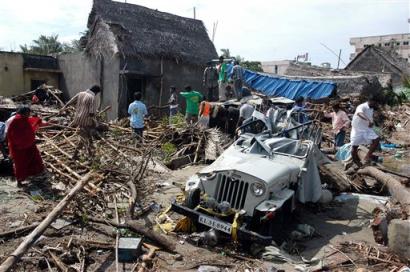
<point x="284" y="87"/>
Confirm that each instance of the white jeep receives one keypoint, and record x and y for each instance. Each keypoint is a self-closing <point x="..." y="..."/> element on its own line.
<point x="251" y="189"/>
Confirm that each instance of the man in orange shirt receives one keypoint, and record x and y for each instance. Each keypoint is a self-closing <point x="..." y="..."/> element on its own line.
<point x="204" y="114"/>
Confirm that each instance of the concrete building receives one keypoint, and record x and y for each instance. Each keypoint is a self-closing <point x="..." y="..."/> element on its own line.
<point x="131" y="48"/>
<point x="348" y="82"/>
<point x="288" y="67"/>
<point x="399" y="42"/>
<point x="278" y="67"/>
<point x="20" y="73"/>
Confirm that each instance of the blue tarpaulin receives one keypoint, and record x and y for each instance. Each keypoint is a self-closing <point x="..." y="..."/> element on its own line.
<point x="284" y="87"/>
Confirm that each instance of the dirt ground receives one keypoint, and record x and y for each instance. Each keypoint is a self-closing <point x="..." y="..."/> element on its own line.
<point x="334" y="223"/>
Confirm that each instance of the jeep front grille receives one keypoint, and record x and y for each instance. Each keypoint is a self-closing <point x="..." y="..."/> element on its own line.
<point x="232" y="190"/>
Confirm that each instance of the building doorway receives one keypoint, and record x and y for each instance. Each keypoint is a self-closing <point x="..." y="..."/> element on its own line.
<point x="135" y="84"/>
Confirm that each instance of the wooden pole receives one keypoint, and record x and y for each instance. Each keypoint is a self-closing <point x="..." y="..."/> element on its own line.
<point x="162" y="82"/>
<point x="37" y="232"/>
<point x="338" y="59"/>
<point x="141" y="229"/>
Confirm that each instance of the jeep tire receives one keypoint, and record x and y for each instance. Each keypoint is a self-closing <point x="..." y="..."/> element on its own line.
<point x="193" y="198"/>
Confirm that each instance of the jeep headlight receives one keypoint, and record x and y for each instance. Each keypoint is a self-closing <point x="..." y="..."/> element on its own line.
<point x="258" y="189"/>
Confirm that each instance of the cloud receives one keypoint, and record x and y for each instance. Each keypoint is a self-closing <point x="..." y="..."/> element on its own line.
<point x="256" y="30"/>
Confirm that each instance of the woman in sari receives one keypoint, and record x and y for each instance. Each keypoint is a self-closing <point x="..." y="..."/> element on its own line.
<point x="23" y="150"/>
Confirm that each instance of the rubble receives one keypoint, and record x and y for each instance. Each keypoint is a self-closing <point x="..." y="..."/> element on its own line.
<point x="121" y="185"/>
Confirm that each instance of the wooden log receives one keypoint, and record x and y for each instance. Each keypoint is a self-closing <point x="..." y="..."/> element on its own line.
<point x="334" y="172"/>
<point x="56" y="97"/>
<point x="396" y="189"/>
<point x="59" y="263"/>
<point x="18" y="231"/>
<point x="39" y="230"/>
<point x="138" y="228"/>
<point x="117" y="236"/>
<point x="132" y="199"/>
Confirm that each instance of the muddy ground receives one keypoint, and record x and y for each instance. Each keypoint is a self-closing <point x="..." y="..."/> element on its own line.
<point x="333" y="223"/>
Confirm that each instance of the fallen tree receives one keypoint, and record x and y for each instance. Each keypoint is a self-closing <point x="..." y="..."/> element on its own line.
<point x="39" y="230"/>
<point x="138" y="228"/>
<point x="396" y="189"/>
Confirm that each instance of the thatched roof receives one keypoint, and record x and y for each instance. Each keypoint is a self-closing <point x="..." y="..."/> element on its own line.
<point x="40" y="62"/>
<point x="139" y="31"/>
<point x="389" y="57"/>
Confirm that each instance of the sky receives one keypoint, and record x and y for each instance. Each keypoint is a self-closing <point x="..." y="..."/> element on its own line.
<point x="261" y="30"/>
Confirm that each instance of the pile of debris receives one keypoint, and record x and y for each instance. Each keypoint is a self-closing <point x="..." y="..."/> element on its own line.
<point x="109" y="189"/>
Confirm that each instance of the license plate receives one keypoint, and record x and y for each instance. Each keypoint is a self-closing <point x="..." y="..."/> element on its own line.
<point x="215" y="224"/>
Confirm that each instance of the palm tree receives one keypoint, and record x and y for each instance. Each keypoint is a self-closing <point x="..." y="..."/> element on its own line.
<point x="44" y="45"/>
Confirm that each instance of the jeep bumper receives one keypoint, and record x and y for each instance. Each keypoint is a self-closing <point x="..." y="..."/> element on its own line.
<point x="242" y="233"/>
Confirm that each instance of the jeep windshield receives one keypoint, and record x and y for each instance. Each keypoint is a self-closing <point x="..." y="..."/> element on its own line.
<point x="266" y="145"/>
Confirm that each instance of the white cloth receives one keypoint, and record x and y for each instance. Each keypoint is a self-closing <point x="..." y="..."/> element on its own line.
<point x="246" y="111"/>
<point x="361" y="133"/>
<point x="363" y="137"/>
<point x="222" y="91"/>
<point x="358" y="123"/>
<point x="203" y="122"/>
<point x="8" y="122"/>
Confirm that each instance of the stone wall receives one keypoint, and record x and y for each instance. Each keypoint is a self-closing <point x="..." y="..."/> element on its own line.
<point x="11" y="74"/>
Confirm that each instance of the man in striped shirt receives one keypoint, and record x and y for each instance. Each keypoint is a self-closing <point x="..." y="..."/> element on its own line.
<point x="84" y="117"/>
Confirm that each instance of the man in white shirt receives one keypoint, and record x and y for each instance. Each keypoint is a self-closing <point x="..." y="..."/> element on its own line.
<point x="245" y="112"/>
<point x="362" y="132"/>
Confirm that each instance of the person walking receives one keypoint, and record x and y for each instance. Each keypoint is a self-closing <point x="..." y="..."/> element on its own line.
<point x="362" y="131"/>
<point x="340" y="122"/>
<point x="138" y="111"/>
<point x="210" y="80"/>
<point x="26" y="157"/>
<point x="237" y="77"/>
<point x="85" y="118"/>
<point x="192" y="98"/>
<point x="205" y="109"/>
<point x="222" y="79"/>
<point x="173" y="104"/>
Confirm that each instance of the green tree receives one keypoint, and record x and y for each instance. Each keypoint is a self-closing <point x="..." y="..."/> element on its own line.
<point x="255" y="66"/>
<point x="44" y="45"/>
<point x="73" y="46"/>
<point x="24" y="48"/>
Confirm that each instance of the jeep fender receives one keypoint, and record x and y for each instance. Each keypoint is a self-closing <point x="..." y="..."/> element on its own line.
<point x="276" y="202"/>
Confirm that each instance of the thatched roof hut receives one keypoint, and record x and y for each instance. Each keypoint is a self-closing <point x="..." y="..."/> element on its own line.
<point x="137" y="31"/>
<point x="130" y="48"/>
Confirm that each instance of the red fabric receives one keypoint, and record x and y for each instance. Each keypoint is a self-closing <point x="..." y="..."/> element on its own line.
<point x="35" y="99"/>
<point x="36" y="123"/>
<point x="23" y="150"/>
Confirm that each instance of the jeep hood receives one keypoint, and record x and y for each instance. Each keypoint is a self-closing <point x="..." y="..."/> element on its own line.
<point x="259" y="166"/>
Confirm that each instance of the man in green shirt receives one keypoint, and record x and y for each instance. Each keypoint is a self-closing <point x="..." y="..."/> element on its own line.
<point x="193" y="98"/>
<point x="223" y="78"/>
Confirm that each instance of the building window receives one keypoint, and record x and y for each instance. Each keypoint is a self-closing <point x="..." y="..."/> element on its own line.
<point x="380" y="45"/>
<point x="387" y="44"/>
<point x="276" y="69"/>
<point x="406" y="43"/>
<point x="398" y="43"/>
